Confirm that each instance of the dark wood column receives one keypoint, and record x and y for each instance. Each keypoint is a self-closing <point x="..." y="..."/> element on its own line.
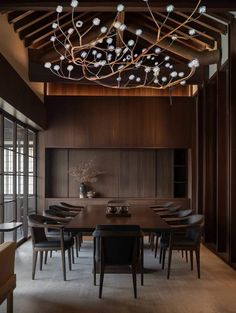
<point x="222" y="201"/>
<point x="232" y="144"/>
<point x="209" y="161"/>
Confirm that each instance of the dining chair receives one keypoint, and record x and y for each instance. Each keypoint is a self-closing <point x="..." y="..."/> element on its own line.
<point x="7" y="275"/>
<point x="175" y="218"/>
<point x="43" y="243"/>
<point x="65" y="217"/>
<point x="71" y="206"/>
<point x="164" y="205"/>
<point x="117" y="245"/>
<point x="185" y="236"/>
<point x="169" y="210"/>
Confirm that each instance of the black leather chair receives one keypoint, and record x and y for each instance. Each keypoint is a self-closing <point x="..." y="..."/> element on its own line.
<point x="43" y="243"/>
<point x="118" y="245"/>
<point x="175" y="218"/>
<point x="186" y="236"/>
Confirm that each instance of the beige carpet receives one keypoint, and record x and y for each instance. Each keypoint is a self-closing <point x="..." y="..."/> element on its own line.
<point x="215" y="292"/>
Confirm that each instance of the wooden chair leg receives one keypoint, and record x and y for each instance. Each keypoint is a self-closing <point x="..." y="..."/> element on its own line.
<point x="134" y="280"/>
<point x="69" y="258"/>
<point x="142" y="262"/>
<point x="163" y="258"/>
<point x="10" y="302"/>
<point x="41" y="261"/>
<point x="186" y="255"/>
<point x="197" y="251"/>
<point x="50" y="254"/>
<point x="46" y="257"/>
<point x="182" y="252"/>
<point x="63" y="264"/>
<point x="94" y="262"/>
<point x="156" y="245"/>
<point x="191" y="259"/>
<point x="160" y="256"/>
<point x="77" y="245"/>
<point x="72" y="255"/>
<point x="35" y="256"/>
<point x="101" y="280"/>
<point x="169" y="263"/>
<point x="152" y="241"/>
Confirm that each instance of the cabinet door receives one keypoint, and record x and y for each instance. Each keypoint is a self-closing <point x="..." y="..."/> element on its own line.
<point x="137" y="173"/>
<point x="164" y="173"/>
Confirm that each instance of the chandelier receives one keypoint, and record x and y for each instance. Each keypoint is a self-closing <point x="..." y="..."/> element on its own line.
<point x="112" y="56"/>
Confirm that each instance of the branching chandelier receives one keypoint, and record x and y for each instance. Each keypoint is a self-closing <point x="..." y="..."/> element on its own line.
<point x="113" y="57"/>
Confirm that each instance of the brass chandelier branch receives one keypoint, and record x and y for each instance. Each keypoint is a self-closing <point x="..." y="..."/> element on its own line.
<point x="113" y="58"/>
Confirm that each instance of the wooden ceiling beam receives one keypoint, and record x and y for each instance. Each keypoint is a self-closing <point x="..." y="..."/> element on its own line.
<point x="15" y="16"/>
<point x="208" y="23"/>
<point x="224" y="17"/>
<point x="45" y="32"/>
<point x="28" y="20"/>
<point x="204" y="57"/>
<point x="191" y="42"/>
<point x="109" y="6"/>
<point x="45" y="43"/>
<point x="200" y="36"/>
<point x="37" y="26"/>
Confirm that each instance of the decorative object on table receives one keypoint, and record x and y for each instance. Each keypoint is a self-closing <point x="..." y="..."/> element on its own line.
<point x="82" y="190"/>
<point x="118" y="210"/>
<point x="85" y="172"/>
<point x="91" y="194"/>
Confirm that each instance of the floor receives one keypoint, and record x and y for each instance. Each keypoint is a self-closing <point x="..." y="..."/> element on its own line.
<point x="215" y="292"/>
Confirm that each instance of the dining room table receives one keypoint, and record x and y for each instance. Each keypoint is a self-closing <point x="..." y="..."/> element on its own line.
<point x="89" y="217"/>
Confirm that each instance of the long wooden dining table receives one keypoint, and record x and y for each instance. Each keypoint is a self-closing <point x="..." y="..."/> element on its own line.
<point x="92" y="215"/>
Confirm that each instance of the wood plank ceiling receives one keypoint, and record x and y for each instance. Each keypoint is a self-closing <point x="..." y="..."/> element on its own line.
<point x="33" y="22"/>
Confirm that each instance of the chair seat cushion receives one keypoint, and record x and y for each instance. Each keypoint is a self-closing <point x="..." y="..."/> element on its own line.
<point x="54" y="242"/>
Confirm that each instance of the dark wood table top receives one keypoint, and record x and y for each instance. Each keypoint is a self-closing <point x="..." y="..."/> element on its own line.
<point x="94" y="215"/>
<point x="4" y="227"/>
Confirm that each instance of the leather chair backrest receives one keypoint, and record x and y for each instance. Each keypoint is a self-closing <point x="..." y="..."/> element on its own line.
<point x="119" y="243"/>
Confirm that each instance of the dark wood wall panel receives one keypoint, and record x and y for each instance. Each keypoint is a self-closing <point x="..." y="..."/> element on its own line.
<point x="19" y="95"/>
<point x="137" y="173"/>
<point x="232" y="145"/>
<point x="58" y="89"/>
<point x="222" y="163"/>
<point x="126" y="173"/>
<point x="79" y="122"/>
<point x="57" y="173"/>
<point x="105" y="160"/>
<point x="165" y="173"/>
<point x="209" y="206"/>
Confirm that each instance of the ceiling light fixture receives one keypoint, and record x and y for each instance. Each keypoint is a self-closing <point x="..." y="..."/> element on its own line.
<point x="114" y="57"/>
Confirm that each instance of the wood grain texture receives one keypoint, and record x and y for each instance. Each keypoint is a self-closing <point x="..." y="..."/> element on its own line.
<point x="115" y="122"/>
<point x="57" y="172"/>
<point x="16" y="92"/>
<point x="94" y="90"/>
<point x="127" y="172"/>
<point x="105" y="160"/>
<point x="164" y="173"/>
<point x="137" y="173"/>
<point x="232" y="143"/>
<point x="222" y="163"/>
<point x="209" y="208"/>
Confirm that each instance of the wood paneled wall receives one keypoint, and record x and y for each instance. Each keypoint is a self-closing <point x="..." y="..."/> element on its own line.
<point x="118" y="122"/>
<point x="15" y="91"/>
<point x="135" y="173"/>
<point x="106" y="122"/>
<point x="217" y="161"/>
<point x="95" y="90"/>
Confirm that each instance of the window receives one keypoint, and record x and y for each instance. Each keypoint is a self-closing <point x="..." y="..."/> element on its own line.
<point x="17" y="175"/>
